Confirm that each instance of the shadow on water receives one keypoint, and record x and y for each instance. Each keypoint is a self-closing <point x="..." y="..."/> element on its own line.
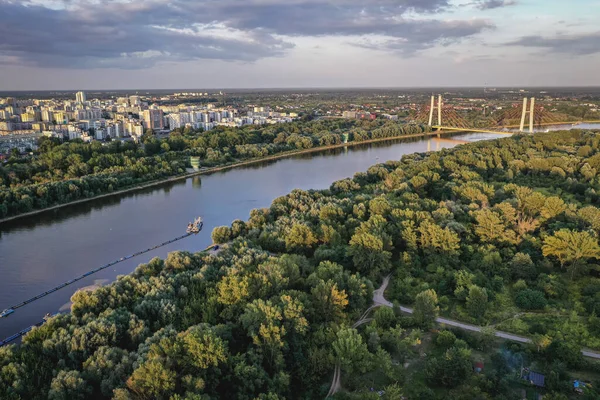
<point x="51" y="217"/>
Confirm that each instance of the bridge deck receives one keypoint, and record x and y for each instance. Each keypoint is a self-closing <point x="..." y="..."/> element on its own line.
<point x="503" y="132"/>
<point x="449" y="128"/>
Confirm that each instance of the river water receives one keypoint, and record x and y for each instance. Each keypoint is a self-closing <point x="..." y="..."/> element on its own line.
<point x="40" y="252"/>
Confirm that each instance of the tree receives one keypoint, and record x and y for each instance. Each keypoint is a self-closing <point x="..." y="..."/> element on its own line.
<point x="486" y="338"/>
<point x="591" y="215"/>
<point x="529" y="299"/>
<point x="370" y="246"/>
<point x="385" y="317"/>
<point x="571" y="247"/>
<point x="445" y="339"/>
<point x="437" y="239"/>
<point x="477" y="301"/>
<point x="426" y="307"/>
<point x="522" y="267"/>
<point x="152" y="380"/>
<point x="202" y="347"/>
<point x="108" y="368"/>
<point x="553" y="207"/>
<point x="299" y="238"/>
<point x="565" y="350"/>
<point x="221" y="234"/>
<point x="68" y="385"/>
<point x="263" y="321"/>
<point x="541" y="342"/>
<point x="490" y="228"/>
<point x="350" y="351"/>
<point x="393" y="392"/>
<point x="329" y="301"/>
<point x="451" y="369"/>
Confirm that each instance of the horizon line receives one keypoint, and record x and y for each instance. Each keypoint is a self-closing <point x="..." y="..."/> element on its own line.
<point x="310" y="88"/>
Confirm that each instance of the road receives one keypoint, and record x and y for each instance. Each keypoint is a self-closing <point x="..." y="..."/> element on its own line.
<point x="379" y="300"/>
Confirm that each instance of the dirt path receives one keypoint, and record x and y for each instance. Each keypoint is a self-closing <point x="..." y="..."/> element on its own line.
<point x="378" y="301"/>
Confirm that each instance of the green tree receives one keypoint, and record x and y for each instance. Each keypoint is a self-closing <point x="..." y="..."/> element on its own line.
<point x="202" y="348"/>
<point x="152" y="380"/>
<point x="522" y="267"/>
<point x="529" y="299"/>
<point x="477" y="301"/>
<point x="221" y="234"/>
<point x="385" y="317"/>
<point x="68" y="385"/>
<point x="393" y="392"/>
<point x="541" y="342"/>
<point x="426" y="307"/>
<point x="350" y="351"/>
<point x="263" y="321"/>
<point x="445" y="339"/>
<point x="329" y="302"/>
<point x="451" y="369"/>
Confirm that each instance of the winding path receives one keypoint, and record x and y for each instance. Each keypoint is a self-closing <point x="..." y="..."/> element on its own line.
<point x="379" y="300"/>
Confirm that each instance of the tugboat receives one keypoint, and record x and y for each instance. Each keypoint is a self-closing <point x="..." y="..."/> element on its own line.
<point x="195" y="227"/>
<point x="6" y="312"/>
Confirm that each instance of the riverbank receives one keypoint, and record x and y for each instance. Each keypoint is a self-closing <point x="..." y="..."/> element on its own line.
<point x="211" y="170"/>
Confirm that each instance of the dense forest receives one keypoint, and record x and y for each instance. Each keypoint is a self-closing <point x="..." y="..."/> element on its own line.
<point x="502" y="234"/>
<point x="74" y="170"/>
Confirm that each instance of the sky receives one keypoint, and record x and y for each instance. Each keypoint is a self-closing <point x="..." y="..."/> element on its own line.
<point x="163" y="44"/>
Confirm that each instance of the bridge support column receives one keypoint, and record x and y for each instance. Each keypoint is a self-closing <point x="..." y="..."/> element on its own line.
<point x="440" y="110"/>
<point x="523" y="115"/>
<point x="531" y="115"/>
<point x="431" y="110"/>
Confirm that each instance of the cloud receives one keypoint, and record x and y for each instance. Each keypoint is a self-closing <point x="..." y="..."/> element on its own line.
<point x="492" y="4"/>
<point x="139" y="33"/>
<point x="582" y="44"/>
<point x="425" y="34"/>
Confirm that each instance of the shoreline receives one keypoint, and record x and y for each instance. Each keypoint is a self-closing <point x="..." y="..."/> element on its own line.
<point x="220" y="168"/>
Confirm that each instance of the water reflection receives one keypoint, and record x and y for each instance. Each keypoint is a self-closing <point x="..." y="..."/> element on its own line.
<point x="50" y="217"/>
<point x="197" y="182"/>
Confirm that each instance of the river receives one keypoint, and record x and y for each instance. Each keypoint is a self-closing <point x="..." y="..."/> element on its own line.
<point x="45" y="250"/>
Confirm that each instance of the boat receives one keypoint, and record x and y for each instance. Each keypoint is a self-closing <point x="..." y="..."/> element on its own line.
<point x="6" y="312"/>
<point x="195" y="227"/>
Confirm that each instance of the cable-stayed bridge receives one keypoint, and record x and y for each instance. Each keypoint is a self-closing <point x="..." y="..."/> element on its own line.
<point x="516" y="118"/>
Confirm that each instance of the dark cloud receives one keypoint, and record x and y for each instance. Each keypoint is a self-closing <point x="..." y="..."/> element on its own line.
<point x="583" y="44"/>
<point x="427" y="34"/>
<point x="491" y="4"/>
<point x="137" y="34"/>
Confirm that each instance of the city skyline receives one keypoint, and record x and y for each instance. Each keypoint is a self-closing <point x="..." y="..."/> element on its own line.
<point x="85" y="45"/>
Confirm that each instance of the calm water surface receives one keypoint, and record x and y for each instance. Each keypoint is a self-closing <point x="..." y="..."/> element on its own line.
<point x="40" y="252"/>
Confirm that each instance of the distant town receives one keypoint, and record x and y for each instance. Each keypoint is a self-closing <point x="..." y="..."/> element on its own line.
<point x="108" y="116"/>
<point x="24" y="121"/>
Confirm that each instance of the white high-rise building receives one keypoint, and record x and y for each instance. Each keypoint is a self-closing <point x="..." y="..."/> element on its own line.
<point x="80" y="97"/>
